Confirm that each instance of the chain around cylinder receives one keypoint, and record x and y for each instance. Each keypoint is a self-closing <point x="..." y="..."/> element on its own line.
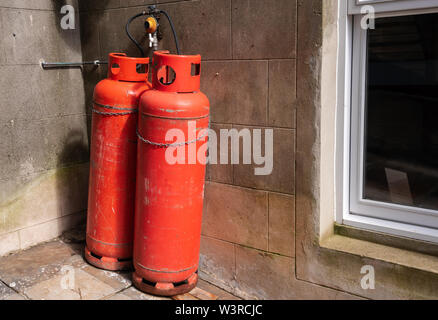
<point x="130" y="110"/>
<point x="176" y="144"/>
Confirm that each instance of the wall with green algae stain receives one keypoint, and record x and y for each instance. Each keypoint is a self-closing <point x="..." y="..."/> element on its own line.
<point x="43" y="197"/>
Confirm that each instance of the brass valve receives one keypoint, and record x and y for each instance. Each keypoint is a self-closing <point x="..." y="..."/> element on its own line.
<point x="151" y="25"/>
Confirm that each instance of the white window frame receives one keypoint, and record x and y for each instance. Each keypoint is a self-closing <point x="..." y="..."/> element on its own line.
<point x="380" y="6"/>
<point x="350" y="100"/>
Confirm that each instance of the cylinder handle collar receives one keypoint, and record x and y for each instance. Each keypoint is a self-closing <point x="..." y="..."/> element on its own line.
<point x="123" y="68"/>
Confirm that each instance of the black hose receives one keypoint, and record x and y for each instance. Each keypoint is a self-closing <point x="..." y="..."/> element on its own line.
<point x="173" y="30"/>
<point x="143" y="14"/>
<point x="129" y="34"/>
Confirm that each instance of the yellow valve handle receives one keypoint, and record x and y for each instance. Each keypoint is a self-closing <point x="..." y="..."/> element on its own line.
<point x="153" y="25"/>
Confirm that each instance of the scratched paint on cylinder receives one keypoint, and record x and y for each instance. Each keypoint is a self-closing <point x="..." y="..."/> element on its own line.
<point x="113" y="157"/>
<point x="168" y="226"/>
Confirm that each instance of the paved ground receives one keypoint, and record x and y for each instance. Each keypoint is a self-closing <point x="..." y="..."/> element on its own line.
<point x="57" y="270"/>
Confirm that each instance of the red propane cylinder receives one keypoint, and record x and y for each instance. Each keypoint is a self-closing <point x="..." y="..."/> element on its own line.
<point x="169" y="195"/>
<point x="111" y="197"/>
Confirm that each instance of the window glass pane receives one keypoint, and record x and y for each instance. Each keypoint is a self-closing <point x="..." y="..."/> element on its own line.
<point x="401" y="111"/>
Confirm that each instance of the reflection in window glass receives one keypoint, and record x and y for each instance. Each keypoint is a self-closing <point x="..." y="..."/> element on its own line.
<point x="401" y="115"/>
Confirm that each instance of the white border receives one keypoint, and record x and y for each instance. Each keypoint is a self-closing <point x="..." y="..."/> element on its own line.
<point x="342" y="144"/>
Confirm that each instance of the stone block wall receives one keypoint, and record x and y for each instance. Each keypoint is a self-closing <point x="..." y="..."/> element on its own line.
<point x="249" y="220"/>
<point x="43" y="125"/>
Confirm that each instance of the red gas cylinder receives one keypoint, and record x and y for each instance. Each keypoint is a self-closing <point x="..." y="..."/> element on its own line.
<point x="111" y="197"/>
<point x="170" y="191"/>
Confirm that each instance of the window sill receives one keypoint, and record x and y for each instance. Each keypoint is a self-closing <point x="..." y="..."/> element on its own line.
<point x="395" y="250"/>
<point x="388" y="240"/>
<point x="397" y="229"/>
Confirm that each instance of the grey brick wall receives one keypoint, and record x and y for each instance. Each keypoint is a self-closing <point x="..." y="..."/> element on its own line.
<point x="43" y="124"/>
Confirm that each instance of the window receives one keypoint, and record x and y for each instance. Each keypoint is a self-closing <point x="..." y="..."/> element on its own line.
<point x="391" y="128"/>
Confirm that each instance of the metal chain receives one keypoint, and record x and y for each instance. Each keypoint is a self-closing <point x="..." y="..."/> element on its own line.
<point x="178" y="144"/>
<point x="131" y="110"/>
<point x="158" y="144"/>
<point x="113" y="113"/>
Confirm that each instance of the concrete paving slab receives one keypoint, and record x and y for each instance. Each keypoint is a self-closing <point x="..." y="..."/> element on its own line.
<point x="26" y="268"/>
<point x="83" y="287"/>
<point x="5" y="291"/>
<point x="135" y="294"/>
<point x="116" y="280"/>
<point x="119" y="296"/>
<point x="14" y="296"/>
<point x="56" y="270"/>
<point x="221" y="294"/>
